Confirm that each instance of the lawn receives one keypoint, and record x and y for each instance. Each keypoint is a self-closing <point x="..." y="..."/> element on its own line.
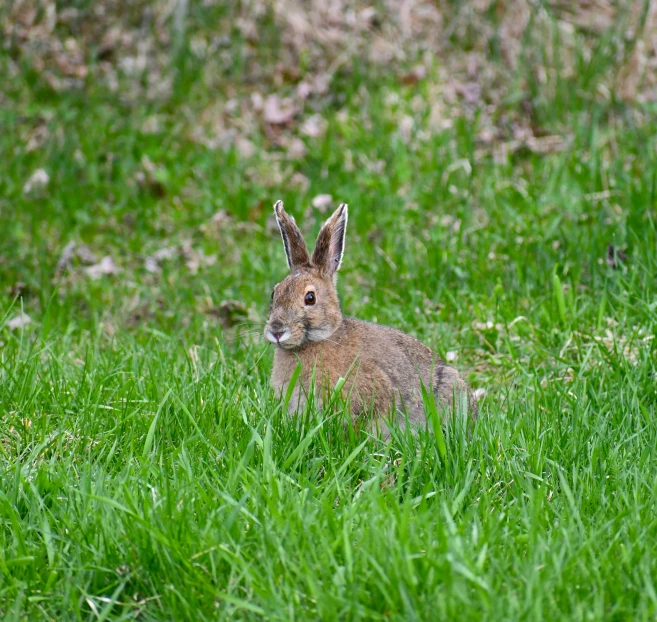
<point x="148" y="471"/>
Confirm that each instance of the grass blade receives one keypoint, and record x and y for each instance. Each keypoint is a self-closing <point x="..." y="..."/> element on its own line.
<point x="290" y="387"/>
<point x="431" y="411"/>
<point x="148" y="443"/>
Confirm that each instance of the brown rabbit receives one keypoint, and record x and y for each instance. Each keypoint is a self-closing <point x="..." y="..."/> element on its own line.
<point x="382" y="366"/>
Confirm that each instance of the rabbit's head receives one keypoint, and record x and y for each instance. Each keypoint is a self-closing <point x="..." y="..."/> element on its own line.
<point x="305" y="305"/>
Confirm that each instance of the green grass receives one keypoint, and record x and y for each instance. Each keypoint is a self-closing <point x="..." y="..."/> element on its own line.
<point x="146" y="468"/>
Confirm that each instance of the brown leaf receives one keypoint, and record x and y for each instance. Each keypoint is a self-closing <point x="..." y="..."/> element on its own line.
<point x="257" y="209"/>
<point x="85" y="255"/>
<point x="470" y="91"/>
<point x="20" y="321"/>
<point x="414" y="76"/>
<point x="288" y="73"/>
<point x="70" y="252"/>
<point x="294" y="147"/>
<point x="153" y="262"/>
<point x="151" y="178"/>
<point x="195" y="259"/>
<point x="217" y="224"/>
<point x="406" y="124"/>
<point x="37" y="137"/>
<point x="66" y="258"/>
<point x="104" y="267"/>
<point x="314" y="126"/>
<point x="229" y="313"/>
<point x="38" y="181"/>
<point x="244" y="147"/>
<point x="17" y="290"/>
<point x="615" y="256"/>
<point x="299" y="181"/>
<point x="322" y="202"/>
<point x="151" y="265"/>
<point x="220" y="217"/>
<point x="277" y="111"/>
<point x="109" y="43"/>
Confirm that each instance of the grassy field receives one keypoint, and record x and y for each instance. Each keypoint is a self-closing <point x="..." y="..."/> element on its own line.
<point x="146" y="468"/>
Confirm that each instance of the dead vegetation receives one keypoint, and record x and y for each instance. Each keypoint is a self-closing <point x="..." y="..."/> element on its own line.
<point x="275" y="66"/>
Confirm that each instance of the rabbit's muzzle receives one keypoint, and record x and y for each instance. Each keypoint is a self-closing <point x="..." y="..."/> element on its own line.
<point x="276" y="332"/>
<point x="284" y="334"/>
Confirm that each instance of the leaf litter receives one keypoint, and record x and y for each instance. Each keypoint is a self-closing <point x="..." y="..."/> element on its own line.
<point x="129" y="50"/>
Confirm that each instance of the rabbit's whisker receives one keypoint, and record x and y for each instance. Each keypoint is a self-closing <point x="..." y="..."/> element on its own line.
<point x="242" y="324"/>
<point x="231" y="338"/>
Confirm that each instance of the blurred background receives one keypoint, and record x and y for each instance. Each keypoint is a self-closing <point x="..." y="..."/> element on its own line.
<point x="144" y="143"/>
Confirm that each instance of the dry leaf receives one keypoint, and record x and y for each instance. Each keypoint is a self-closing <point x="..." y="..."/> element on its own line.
<point x="300" y="182"/>
<point x="304" y="90"/>
<point x="196" y="259"/>
<point x="244" y="147"/>
<point x="314" y="126"/>
<point x="415" y="75"/>
<point x="295" y="148"/>
<point x="470" y="91"/>
<point x="66" y="257"/>
<point x="318" y="85"/>
<point x="38" y="181"/>
<point x="322" y="202"/>
<point x="20" y="321"/>
<point x="70" y="252"/>
<point x="151" y="178"/>
<point x="152" y="262"/>
<point x="615" y="256"/>
<point x="406" y="125"/>
<point x="220" y="217"/>
<point x="85" y="255"/>
<point x="17" y="290"/>
<point x="219" y="221"/>
<point x="37" y="137"/>
<point x="152" y="124"/>
<point x="105" y="266"/>
<point x="151" y="265"/>
<point x="230" y="313"/>
<point x="277" y="111"/>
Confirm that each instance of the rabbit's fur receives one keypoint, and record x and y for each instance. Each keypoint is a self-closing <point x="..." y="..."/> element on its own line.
<point x="382" y="366"/>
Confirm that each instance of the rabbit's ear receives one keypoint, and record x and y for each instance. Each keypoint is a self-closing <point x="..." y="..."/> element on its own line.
<point x="330" y="242"/>
<point x="295" y="247"/>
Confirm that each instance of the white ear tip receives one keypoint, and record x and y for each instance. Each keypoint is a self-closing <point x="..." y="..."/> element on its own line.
<point x="278" y="206"/>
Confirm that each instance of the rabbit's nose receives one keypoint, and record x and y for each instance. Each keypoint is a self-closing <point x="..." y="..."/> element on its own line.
<point x="278" y="335"/>
<point x="276" y="327"/>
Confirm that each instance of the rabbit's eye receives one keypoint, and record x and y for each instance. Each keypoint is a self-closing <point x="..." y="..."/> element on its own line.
<point x="310" y="298"/>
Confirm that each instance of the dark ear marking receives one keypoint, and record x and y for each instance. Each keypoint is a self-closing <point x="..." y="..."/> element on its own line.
<point x="295" y="248"/>
<point x="329" y="248"/>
